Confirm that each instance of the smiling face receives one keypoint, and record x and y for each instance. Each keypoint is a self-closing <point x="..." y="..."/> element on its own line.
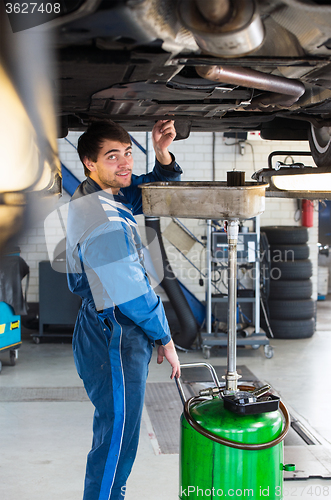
<point x="113" y="168"/>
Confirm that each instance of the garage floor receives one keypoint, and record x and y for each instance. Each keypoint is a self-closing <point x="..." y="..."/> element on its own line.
<point x="46" y="419"/>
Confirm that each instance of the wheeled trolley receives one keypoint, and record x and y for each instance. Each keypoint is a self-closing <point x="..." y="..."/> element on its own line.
<point x="254" y="341"/>
<point x="218" y="249"/>
<point x="10" y="332"/>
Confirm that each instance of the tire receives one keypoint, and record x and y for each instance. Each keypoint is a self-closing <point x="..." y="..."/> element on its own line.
<point x="289" y="252"/>
<point x="291" y="290"/>
<point x="293" y="270"/>
<point x="320" y="145"/>
<point x="292" y="329"/>
<point x="286" y="235"/>
<point x="292" y="309"/>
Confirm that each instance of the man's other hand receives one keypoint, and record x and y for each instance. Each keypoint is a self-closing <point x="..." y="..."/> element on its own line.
<point x="168" y="351"/>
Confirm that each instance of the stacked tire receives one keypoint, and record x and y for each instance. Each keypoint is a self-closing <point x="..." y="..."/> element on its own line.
<point x="292" y="312"/>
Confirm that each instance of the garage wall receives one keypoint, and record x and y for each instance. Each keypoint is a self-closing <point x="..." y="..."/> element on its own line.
<point x="195" y="157"/>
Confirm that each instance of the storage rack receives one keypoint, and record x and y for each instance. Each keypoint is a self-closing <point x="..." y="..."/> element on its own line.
<point x="256" y="339"/>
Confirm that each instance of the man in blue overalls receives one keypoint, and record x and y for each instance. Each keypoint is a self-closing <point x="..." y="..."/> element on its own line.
<point x="121" y="317"/>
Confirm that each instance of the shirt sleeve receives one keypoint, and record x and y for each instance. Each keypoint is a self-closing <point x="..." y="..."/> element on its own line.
<point x="116" y="277"/>
<point x="159" y="174"/>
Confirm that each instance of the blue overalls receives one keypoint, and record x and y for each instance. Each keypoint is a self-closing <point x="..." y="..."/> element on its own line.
<point x="118" y="322"/>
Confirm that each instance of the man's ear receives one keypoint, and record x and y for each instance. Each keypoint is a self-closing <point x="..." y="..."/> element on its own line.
<point x="89" y="164"/>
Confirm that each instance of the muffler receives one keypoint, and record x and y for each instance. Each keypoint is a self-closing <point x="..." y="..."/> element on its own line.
<point x="226" y="28"/>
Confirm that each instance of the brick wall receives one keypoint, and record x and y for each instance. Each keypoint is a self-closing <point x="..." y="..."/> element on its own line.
<point x="195" y="157"/>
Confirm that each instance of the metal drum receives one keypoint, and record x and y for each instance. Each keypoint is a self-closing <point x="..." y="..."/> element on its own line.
<point x="232" y="442"/>
<point x="212" y="470"/>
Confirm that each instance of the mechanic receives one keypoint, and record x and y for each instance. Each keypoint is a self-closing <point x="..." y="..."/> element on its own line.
<point x="121" y="317"/>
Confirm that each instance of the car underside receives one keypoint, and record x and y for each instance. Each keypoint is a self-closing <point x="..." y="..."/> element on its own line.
<point x="215" y="65"/>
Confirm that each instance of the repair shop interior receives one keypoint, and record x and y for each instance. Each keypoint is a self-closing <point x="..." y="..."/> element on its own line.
<point x="237" y="250"/>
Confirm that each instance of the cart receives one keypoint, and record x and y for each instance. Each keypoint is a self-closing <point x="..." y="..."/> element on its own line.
<point x="10" y="332"/>
<point x="217" y="251"/>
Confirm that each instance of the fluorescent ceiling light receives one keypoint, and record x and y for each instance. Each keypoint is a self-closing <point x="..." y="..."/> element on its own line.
<point x="303" y="182"/>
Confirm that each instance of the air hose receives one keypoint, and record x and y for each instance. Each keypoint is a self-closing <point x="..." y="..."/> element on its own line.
<point x="188" y="324"/>
<point x="233" y="444"/>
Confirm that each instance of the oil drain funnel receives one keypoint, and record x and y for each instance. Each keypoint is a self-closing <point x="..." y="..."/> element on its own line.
<point x="224" y="451"/>
<point x="231" y="201"/>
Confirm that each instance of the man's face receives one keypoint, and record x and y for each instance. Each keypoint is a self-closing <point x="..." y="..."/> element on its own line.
<point x="113" y="168"/>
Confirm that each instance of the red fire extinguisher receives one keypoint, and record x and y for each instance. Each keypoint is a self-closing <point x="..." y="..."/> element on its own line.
<point x="307" y="211"/>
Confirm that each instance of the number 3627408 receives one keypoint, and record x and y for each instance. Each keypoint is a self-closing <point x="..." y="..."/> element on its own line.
<point x="30" y="8"/>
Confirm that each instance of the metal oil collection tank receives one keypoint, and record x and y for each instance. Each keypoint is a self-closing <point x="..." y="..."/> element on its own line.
<point x="231" y="437"/>
<point x="228" y="454"/>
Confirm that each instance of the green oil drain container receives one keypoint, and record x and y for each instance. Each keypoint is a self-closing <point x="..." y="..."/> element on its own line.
<point x="228" y="455"/>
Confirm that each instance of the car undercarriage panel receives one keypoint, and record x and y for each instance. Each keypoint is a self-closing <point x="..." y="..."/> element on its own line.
<point x="136" y="61"/>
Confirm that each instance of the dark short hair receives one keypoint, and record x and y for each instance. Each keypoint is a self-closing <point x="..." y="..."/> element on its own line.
<point x="90" y="142"/>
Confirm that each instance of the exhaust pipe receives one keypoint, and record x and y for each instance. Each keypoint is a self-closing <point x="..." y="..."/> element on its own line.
<point x="284" y="91"/>
<point x="214" y="11"/>
<point x="225" y="28"/>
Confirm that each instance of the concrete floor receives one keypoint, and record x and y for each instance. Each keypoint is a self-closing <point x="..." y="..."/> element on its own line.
<point x="44" y="443"/>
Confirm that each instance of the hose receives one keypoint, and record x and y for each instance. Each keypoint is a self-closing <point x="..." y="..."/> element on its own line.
<point x="188" y="325"/>
<point x="228" y="442"/>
